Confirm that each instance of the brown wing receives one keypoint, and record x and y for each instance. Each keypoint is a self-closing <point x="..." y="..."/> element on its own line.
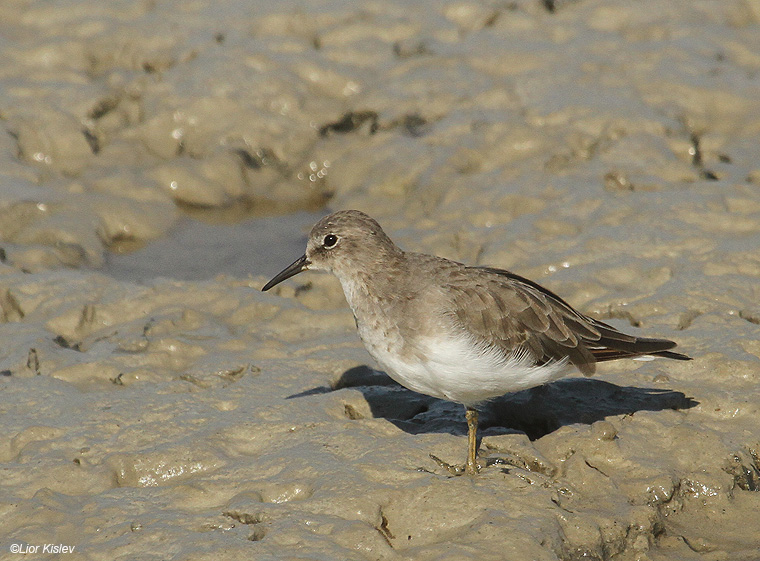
<point x="518" y="315"/>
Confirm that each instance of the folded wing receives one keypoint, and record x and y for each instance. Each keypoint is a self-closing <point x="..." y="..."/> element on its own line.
<point x="521" y="317"/>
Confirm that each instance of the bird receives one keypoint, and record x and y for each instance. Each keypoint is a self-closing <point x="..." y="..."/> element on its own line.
<point x="466" y="334"/>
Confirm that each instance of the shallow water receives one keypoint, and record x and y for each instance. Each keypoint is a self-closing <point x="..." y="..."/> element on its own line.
<point x="194" y="250"/>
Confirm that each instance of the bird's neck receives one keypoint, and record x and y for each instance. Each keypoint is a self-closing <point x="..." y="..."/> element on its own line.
<point x="374" y="286"/>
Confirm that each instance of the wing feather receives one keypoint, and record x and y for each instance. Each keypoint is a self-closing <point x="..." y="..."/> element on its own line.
<point x="519" y="316"/>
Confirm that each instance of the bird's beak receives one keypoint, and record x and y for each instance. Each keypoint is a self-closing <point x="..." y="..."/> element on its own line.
<point x="300" y="264"/>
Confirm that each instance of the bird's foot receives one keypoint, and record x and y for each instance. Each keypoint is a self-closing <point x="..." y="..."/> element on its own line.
<point x="470" y="468"/>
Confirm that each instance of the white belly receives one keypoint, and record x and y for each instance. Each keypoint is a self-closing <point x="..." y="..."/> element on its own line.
<point x="459" y="371"/>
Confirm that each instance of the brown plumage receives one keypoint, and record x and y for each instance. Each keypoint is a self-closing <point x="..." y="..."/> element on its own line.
<point x="512" y="312"/>
<point x="466" y="334"/>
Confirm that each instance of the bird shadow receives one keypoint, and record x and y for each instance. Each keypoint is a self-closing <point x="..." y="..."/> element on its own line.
<point x="535" y="412"/>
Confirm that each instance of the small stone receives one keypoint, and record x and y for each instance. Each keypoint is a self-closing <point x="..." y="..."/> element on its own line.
<point x="603" y="430"/>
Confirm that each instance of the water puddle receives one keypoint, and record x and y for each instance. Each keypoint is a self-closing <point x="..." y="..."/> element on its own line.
<point x="196" y="250"/>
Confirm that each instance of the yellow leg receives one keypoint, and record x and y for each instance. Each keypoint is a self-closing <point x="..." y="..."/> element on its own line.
<point x="472" y="466"/>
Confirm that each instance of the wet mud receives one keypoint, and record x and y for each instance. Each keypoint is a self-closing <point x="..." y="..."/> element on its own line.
<point x="154" y="404"/>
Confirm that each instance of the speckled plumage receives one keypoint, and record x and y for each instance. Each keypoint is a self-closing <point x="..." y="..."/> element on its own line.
<point x="466" y="334"/>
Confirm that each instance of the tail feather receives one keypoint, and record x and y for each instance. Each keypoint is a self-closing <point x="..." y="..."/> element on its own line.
<point x="610" y="347"/>
<point x="675" y="356"/>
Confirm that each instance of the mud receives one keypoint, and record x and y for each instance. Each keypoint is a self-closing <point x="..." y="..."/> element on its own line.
<point x="155" y="404"/>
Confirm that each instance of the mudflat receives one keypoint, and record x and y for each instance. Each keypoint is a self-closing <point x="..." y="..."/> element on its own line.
<point x="608" y="151"/>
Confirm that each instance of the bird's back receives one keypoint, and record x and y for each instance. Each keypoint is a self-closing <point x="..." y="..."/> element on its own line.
<point x="518" y="315"/>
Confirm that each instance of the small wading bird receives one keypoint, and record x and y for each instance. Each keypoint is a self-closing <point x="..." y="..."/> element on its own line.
<point x="465" y="334"/>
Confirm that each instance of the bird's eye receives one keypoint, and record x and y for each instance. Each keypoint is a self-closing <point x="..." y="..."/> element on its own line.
<point x="330" y="240"/>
